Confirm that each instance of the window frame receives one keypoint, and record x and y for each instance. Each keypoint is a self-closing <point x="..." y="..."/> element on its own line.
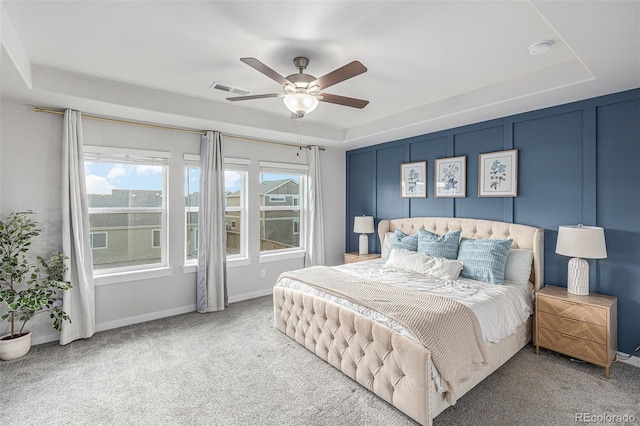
<point x="106" y="240"/>
<point x="190" y="161"/>
<point x="116" y="155"/>
<point x="230" y="164"/>
<point x="287" y="169"/>
<point x="153" y="238"/>
<point x="238" y="165"/>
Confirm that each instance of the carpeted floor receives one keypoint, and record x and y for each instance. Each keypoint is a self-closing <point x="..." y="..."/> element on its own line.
<point x="234" y="368"/>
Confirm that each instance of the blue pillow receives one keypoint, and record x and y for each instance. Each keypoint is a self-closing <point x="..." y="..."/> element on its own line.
<point x="445" y="246"/>
<point x="403" y="241"/>
<point x="484" y="260"/>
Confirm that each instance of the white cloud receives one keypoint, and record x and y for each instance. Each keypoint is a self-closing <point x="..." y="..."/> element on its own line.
<point x="117" y="171"/>
<point x="231" y="180"/>
<point x="148" y="170"/>
<point x="98" y="185"/>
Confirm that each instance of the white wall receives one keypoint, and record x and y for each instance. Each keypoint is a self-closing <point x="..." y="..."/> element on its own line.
<point x="30" y="175"/>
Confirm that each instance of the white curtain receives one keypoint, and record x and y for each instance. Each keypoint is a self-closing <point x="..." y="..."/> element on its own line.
<point x="79" y="301"/>
<point x="313" y="225"/>
<point x="211" y="285"/>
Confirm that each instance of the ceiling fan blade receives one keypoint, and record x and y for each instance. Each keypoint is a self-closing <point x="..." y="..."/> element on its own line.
<point x="342" y="100"/>
<point x="259" y="66"/>
<point x="341" y="74"/>
<point x="248" y="98"/>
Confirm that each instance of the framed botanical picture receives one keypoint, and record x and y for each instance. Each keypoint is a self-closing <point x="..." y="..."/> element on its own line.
<point x="498" y="174"/>
<point x="450" y="177"/>
<point x="413" y="180"/>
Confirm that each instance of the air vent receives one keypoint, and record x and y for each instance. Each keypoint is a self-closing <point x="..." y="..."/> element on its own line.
<point x="230" y="89"/>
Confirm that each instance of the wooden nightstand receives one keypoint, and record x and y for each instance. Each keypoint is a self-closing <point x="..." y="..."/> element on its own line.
<point x="583" y="327"/>
<point x="354" y="257"/>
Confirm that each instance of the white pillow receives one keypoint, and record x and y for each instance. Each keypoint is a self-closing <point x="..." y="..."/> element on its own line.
<point x="422" y="263"/>
<point x="386" y="244"/>
<point x="518" y="267"/>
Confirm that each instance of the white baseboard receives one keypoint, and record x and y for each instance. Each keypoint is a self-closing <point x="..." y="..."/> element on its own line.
<point x="37" y="340"/>
<point x="252" y="295"/>
<point x="144" y="318"/>
<point x="634" y="360"/>
<point x="121" y="322"/>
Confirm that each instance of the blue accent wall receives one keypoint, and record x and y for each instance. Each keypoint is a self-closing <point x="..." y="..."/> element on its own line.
<point x="578" y="163"/>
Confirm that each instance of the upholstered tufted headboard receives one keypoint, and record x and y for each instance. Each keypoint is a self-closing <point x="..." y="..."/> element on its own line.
<point x="523" y="236"/>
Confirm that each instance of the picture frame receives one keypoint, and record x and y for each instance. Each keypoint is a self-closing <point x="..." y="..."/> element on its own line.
<point x="498" y="174"/>
<point x="450" y="177"/>
<point x="413" y="180"/>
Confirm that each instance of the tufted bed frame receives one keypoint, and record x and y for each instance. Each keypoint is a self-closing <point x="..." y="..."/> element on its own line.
<point x="394" y="367"/>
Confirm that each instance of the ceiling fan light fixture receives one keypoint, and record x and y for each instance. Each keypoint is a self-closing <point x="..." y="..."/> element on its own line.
<point x="296" y="102"/>
<point x="313" y="90"/>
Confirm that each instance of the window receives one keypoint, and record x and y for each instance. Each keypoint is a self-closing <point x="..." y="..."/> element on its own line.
<point x="191" y="202"/>
<point x="235" y="179"/>
<point x="98" y="240"/>
<point x="126" y="194"/>
<point x="280" y="222"/>
<point x="156" y="241"/>
<point x="235" y="184"/>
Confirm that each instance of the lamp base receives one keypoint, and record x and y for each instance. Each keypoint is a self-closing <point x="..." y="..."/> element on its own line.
<point x="578" y="277"/>
<point x="364" y="244"/>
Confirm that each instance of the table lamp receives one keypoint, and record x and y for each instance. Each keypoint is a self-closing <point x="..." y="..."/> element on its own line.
<point x="363" y="225"/>
<point x="580" y="242"/>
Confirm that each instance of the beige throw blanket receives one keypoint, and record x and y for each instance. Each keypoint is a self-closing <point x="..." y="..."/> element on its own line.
<point x="449" y="329"/>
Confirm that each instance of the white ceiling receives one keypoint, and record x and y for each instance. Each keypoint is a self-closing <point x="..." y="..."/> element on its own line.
<point x="431" y="64"/>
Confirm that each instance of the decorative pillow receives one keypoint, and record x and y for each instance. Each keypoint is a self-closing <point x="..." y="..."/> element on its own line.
<point x="388" y="238"/>
<point x="439" y="246"/>
<point x="518" y="268"/>
<point x="423" y="264"/>
<point x="484" y="260"/>
<point x="403" y="241"/>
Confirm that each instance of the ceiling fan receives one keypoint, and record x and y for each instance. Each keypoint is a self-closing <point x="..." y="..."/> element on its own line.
<point x="303" y="91"/>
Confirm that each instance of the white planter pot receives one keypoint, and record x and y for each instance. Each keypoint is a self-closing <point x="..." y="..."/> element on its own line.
<point x="14" y="348"/>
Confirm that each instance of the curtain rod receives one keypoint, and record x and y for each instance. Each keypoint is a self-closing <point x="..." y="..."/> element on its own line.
<point x="172" y="129"/>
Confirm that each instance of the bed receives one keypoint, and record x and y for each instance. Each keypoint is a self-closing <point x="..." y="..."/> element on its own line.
<point x="385" y="360"/>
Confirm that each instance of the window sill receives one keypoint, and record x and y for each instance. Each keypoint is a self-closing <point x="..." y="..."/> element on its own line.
<point x="276" y="257"/>
<point x="238" y="261"/>
<point x="123" y="277"/>
<point x="231" y="263"/>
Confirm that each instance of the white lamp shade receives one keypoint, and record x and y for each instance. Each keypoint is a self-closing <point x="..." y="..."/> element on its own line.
<point x="586" y="242"/>
<point x="300" y="102"/>
<point x="363" y="225"/>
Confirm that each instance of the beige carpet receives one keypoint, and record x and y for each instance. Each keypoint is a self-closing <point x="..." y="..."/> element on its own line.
<point x="234" y="368"/>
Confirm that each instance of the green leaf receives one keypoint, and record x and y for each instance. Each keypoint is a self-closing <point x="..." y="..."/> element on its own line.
<point x="28" y="289"/>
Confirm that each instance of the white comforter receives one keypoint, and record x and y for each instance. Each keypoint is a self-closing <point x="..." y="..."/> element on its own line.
<point x="500" y="309"/>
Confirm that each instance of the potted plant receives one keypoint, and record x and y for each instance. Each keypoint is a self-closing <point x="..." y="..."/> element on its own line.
<point x="26" y="289"/>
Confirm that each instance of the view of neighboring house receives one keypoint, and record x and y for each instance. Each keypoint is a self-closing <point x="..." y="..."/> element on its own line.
<point x="128" y="231"/>
<point x="279" y="223"/>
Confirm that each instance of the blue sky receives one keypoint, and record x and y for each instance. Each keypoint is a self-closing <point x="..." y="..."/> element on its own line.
<point x="102" y="177"/>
